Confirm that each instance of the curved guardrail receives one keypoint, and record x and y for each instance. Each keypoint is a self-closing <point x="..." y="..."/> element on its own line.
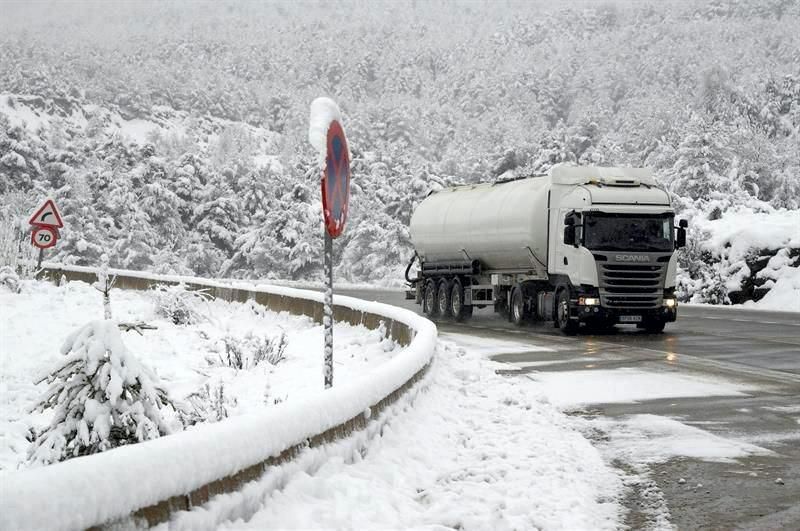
<point x="106" y="489"/>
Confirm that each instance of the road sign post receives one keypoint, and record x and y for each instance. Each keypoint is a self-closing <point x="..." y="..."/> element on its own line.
<point x="327" y="319"/>
<point x="325" y="117"/>
<point x="45" y="223"/>
<point x="335" y="202"/>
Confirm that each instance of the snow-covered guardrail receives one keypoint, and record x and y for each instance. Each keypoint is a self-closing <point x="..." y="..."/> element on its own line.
<point x="143" y="484"/>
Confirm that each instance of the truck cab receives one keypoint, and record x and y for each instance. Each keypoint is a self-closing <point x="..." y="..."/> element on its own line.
<point x="615" y="250"/>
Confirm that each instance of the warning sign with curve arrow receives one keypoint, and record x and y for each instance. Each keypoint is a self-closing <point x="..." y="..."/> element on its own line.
<point x="47" y="215"/>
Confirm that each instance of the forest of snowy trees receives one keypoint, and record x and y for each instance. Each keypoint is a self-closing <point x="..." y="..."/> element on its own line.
<point x="173" y="135"/>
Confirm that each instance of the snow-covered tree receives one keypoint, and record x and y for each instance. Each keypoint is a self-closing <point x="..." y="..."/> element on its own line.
<point x="104" y="284"/>
<point x="101" y="397"/>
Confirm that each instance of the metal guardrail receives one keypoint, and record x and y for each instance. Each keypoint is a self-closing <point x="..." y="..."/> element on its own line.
<point x="160" y="512"/>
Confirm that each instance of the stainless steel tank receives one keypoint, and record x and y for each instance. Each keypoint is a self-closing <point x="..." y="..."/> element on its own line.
<point x="496" y="224"/>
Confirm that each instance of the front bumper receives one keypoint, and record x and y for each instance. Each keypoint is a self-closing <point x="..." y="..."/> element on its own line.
<point x="600" y="314"/>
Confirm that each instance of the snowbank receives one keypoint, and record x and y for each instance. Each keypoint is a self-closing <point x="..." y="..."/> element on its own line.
<point x="737" y="233"/>
<point x="746" y="255"/>
<point x="95" y="489"/>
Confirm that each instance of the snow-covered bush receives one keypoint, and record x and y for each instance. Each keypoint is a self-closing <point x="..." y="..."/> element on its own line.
<point x="179" y="304"/>
<point x="209" y="404"/>
<point x="249" y="351"/>
<point x="101" y="396"/>
<point x="9" y="279"/>
<point x="16" y="252"/>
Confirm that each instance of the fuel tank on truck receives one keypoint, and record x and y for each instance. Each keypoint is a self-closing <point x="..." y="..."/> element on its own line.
<point x="495" y="223"/>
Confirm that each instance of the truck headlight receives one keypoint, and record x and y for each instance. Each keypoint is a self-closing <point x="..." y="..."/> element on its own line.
<point x="588" y="301"/>
<point x="670" y="303"/>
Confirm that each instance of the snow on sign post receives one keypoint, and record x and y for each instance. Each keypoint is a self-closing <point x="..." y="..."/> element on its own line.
<point x="326" y="134"/>
<point x="45" y="222"/>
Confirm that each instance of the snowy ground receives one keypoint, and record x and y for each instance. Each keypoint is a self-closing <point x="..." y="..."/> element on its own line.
<point x="478" y="451"/>
<point x="471" y="449"/>
<point x="187" y="358"/>
<point x="484" y="451"/>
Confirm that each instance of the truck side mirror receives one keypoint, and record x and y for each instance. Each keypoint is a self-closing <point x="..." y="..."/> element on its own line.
<point x="680" y="237"/>
<point x="569" y="235"/>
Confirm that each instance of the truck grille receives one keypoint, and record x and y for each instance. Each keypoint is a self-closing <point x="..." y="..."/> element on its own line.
<point x="631" y="286"/>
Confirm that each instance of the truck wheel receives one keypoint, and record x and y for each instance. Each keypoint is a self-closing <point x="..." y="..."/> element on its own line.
<point x="563" y="321"/>
<point x="457" y="308"/>
<point x="443" y="299"/>
<point x="429" y="300"/>
<point x="518" y="313"/>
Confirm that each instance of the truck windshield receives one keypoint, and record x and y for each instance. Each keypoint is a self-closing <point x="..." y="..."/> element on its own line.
<point x="628" y="232"/>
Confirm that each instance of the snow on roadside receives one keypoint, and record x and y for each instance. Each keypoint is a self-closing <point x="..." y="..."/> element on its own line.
<point x="569" y="389"/>
<point x="642" y="439"/>
<point x="491" y="347"/>
<point x="36" y="322"/>
<point x="478" y="451"/>
<point x="740" y="233"/>
<point x="783" y="279"/>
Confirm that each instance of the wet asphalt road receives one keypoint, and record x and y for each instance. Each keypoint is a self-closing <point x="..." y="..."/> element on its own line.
<point x="757" y="348"/>
<point x="753" y="338"/>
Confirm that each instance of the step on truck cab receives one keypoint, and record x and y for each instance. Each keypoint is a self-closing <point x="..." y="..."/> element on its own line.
<point x="579" y="246"/>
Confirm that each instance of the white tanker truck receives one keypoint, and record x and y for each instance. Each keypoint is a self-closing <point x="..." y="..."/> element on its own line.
<point x="580" y="245"/>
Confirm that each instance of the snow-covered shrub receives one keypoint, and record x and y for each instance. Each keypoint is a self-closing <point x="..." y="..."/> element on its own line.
<point x="249" y="351"/>
<point x="9" y="279"/>
<point x="102" y="397"/>
<point x="209" y="404"/>
<point x="179" y="304"/>
<point x="272" y="350"/>
<point x="16" y="251"/>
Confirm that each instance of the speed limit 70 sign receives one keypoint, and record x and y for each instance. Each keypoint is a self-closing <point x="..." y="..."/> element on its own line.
<point x="44" y="237"/>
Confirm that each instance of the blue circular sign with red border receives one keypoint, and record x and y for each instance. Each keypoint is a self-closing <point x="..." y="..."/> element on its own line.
<point x="336" y="181"/>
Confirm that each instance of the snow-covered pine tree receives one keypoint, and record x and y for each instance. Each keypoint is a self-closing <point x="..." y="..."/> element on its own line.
<point x="102" y="397"/>
<point x="19" y="158"/>
<point x="85" y="230"/>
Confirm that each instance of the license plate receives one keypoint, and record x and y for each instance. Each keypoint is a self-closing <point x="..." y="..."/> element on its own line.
<point x="630" y="318"/>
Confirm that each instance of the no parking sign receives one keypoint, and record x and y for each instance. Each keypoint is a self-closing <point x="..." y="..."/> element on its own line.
<point x="336" y="181"/>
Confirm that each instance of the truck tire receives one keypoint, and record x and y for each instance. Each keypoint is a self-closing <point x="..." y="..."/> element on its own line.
<point x="517" y="313"/>
<point x="457" y="308"/>
<point x="429" y="306"/>
<point x="567" y="325"/>
<point x="443" y="299"/>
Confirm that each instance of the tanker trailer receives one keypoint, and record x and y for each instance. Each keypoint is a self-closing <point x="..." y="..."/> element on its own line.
<point x="578" y="246"/>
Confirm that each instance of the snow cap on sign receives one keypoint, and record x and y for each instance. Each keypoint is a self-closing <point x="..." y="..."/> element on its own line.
<point x="323" y="112"/>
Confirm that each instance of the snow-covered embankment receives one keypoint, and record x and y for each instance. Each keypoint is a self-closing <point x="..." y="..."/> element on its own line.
<point x="152" y="479"/>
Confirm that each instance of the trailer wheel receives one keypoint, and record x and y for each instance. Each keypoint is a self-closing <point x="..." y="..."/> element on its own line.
<point x="567" y="325"/>
<point x="429" y="300"/>
<point x="443" y="299"/>
<point x="457" y="308"/>
<point x="518" y="313"/>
